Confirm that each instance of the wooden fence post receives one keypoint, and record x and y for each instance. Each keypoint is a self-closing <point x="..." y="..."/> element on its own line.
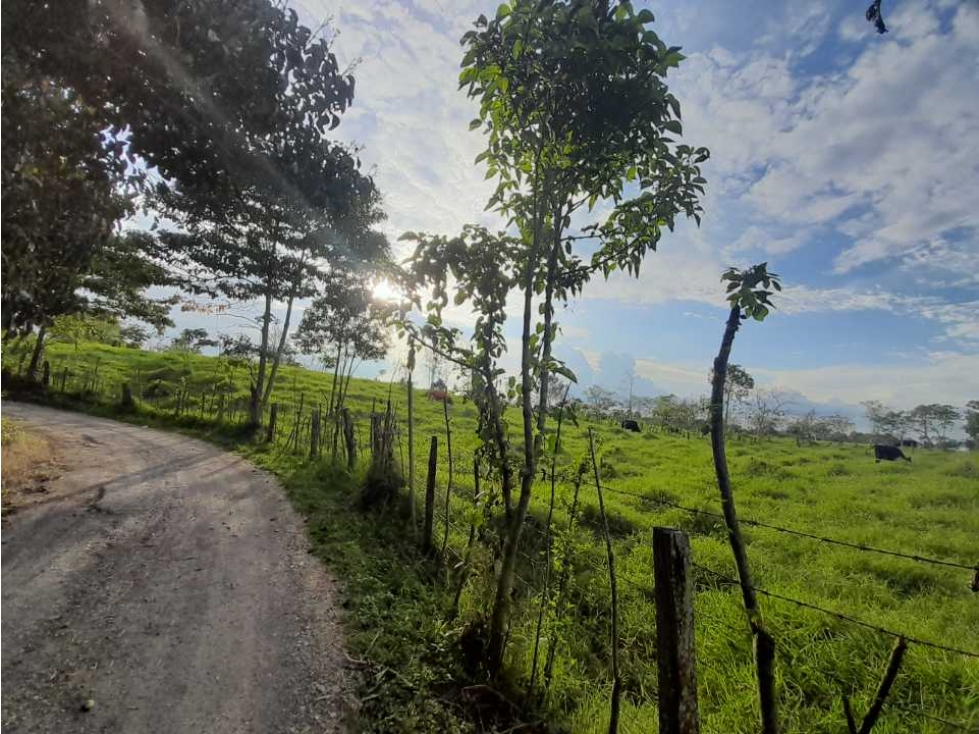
<point x="314" y="435"/>
<point x="348" y="438"/>
<point x="433" y="456"/>
<point x="675" y="653"/>
<point x="46" y="375"/>
<point x="270" y="431"/>
<point x="64" y="379"/>
<point x="126" y="401"/>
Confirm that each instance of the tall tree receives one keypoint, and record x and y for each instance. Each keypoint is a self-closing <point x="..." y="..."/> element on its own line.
<point x="876" y="413"/>
<point x="943" y="417"/>
<point x="62" y="202"/>
<point x="573" y="100"/>
<point x="343" y="325"/>
<point x="193" y="340"/>
<point x="737" y="387"/>
<point x="186" y="88"/>
<point x="600" y="400"/>
<point x="186" y="85"/>
<point x="972" y="421"/>
<point x="281" y="208"/>
<point x="766" y="412"/>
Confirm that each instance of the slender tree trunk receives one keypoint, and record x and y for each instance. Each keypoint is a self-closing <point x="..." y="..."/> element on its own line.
<point x="448" y="484"/>
<point x="336" y="376"/>
<point x="278" y="351"/>
<point x="36" y="354"/>
<point x="352" y="365"/>
<point x="764" y="644"/>
<point x="464" y="571"/>
<point x="532" y="443"/>
<point x="545" y="594"/>
<point x="563" y="580"/>
<point x="427" y="544"/>
<point x="613" y="722"/>
<point x="411" y="441"/>
<point x="255" y="405"/>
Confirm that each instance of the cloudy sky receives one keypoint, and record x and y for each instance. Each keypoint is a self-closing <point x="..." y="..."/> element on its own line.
<point x="848" y="160"/>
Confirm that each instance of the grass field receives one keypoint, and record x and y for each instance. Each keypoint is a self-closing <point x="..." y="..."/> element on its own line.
<point x="398" y="600"/>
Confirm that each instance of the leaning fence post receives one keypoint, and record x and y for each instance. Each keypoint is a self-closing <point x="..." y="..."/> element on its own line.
<point x="348" y="438"/>
<point x="126" y="401"/>
<point x="270" y="431"/>
<point x="433" y="456"/>
<point x="676" y="661"/>
<point x="46" y="375"/>
<point x="314" y="434"/>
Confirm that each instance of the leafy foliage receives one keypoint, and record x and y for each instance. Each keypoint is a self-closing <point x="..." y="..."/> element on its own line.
<point x="573" y="101"/>
<point x="345" y="317"/>
<point x="193" y="84"/>
<point x="61" y="204"/>
<point x="748" y="291"/>
<point x="875" y="16"/>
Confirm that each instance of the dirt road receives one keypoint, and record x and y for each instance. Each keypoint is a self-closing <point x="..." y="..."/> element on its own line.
<point x="165" y="585"/>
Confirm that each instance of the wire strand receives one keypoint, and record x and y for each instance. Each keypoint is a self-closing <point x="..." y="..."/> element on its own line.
<point x="798" y="533"/>
<point x="839" y="615"/>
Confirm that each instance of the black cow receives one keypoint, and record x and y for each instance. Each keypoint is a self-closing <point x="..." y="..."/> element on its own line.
<point x="630" y="425"/>
<point x="889" y="453"/>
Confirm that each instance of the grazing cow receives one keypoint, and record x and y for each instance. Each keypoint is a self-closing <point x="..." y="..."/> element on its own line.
<point x="440" y="396"/>
<point x="889" y="453"/>
<point x="630" y="425"/>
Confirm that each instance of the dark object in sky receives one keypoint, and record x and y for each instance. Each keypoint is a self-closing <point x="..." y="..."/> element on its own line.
<point x="874" y="16"/>
<point x="889" y="453"/>
<point x="631" y="425"/>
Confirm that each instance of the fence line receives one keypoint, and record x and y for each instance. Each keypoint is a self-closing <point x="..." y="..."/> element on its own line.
<point x="97" y="387"/>
<point x="799" y="533"/>
<point x="970" y="727"/>
<point x="840" y="615"/>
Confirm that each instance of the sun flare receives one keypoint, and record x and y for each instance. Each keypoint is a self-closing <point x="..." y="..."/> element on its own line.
<point x="384" y="291"/>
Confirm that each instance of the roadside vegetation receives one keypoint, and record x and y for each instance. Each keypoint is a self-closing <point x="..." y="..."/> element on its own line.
<point x="416" y="653"/>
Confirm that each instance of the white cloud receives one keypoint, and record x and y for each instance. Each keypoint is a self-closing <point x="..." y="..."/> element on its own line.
<point x="947" y="378"/>
<point x="679" y="379"/>
<point x="758" y="239"/>
<point x="593" y="357"/>
<point x="883" y="151"/>
<point x="409" y="115"/>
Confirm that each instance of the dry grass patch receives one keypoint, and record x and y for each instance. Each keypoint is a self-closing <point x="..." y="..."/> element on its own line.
<point x="27" y="465"/>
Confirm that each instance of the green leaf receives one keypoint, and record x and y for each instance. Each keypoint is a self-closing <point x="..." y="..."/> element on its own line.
<point x="475" y="123"/>
<point x="562" y="369"/>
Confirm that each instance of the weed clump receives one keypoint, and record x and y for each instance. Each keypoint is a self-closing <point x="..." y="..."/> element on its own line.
<point x="967" y="469"/>
<point x="838" y="469"/>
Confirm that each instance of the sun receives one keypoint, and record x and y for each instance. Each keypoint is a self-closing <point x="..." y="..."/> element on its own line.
<point x="384" y="291"/>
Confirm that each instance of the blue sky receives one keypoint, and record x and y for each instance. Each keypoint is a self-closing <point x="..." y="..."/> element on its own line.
<point x="848" y="160"/>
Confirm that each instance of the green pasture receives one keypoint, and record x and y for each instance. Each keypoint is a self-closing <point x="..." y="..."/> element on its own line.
<point x="398" y="609"/>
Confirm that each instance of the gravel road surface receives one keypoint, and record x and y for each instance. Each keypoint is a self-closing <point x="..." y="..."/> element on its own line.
<point x="164" y="586"/>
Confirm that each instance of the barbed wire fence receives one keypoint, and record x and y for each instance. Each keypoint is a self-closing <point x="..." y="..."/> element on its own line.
<point x="205" y="402"/>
